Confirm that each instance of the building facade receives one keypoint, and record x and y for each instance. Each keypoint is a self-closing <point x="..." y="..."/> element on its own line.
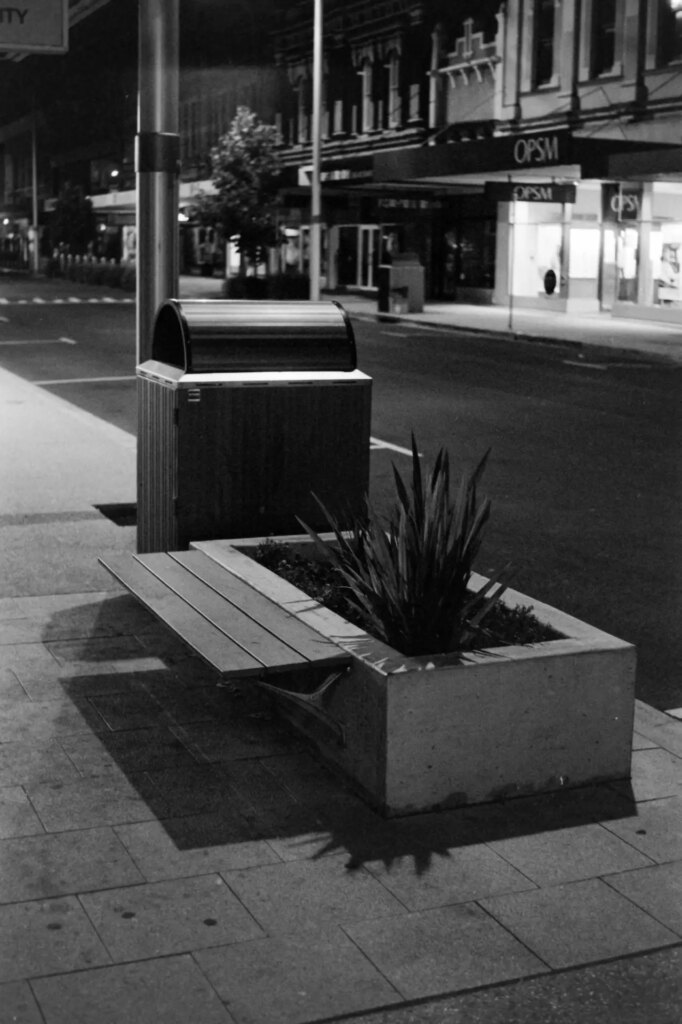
<point x="528" y="151"/>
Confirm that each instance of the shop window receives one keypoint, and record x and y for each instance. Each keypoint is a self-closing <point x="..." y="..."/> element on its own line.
<point x="627" y="261"/>
<point x="604" y="34"/>
<point x="468" y="260"/>
<point x="537" y="249"/>
<point x="669" y="32"/>
<point x="544" y="42"/>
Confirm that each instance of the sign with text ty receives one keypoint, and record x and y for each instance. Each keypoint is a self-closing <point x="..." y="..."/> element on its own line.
<point x="35" y="26"/>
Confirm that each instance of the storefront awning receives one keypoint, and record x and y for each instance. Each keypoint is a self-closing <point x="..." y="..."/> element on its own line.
<point x="647" y="165"/>
<point x="560" y="153"/>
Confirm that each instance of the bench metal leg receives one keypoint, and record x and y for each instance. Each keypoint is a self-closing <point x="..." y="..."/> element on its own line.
<point x="312" y="702"/>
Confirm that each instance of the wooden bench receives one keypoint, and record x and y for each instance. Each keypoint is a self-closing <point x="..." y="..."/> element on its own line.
<point x="229" y="624"/>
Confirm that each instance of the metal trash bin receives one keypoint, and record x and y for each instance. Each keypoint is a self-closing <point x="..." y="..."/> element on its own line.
<point x="246" y="409"/>
<point x="401" y="285"/>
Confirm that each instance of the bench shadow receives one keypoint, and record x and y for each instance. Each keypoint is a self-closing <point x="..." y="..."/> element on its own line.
<point x="217" y="765"/>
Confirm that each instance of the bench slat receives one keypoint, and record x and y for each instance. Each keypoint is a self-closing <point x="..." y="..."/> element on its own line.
<point x="226" y="614"/>
<point x="282" y="624"/>
<point x="208" y="641"/>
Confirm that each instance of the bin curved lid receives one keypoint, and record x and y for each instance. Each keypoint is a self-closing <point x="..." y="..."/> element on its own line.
<point x="234" y="335"/>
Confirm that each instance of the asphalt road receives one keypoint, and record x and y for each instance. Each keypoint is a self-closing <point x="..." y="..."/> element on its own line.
<point x="585" y="472"/>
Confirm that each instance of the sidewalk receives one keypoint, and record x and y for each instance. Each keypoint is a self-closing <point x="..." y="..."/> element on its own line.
<point x="170" y="854"/>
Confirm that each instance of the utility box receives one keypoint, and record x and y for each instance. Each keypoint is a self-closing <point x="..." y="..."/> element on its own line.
<point x="401" y="285"/>
<point x="245" y="410"/>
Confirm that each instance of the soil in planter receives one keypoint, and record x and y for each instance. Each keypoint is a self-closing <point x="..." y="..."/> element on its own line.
<point x="502" y="626"/>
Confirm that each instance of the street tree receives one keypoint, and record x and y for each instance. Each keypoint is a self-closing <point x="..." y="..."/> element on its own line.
<point x="245" y="171"/>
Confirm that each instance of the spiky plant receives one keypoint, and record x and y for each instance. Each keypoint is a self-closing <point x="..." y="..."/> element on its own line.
<point x="408" y="574"/>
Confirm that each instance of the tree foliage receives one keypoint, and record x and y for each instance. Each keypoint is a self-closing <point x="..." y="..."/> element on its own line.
<point x="245" y="170"/>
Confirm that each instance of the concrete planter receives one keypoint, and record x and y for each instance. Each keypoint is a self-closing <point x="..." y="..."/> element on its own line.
<point x="421" y="733"/>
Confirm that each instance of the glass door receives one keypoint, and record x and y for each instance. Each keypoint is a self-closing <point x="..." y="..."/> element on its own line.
<point x="369" y="256"/>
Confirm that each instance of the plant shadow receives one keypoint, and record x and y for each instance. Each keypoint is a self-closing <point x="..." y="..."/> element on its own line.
<point x="217" y="765"/>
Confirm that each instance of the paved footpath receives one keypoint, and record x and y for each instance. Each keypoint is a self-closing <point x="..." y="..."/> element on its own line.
<point x="170" y="854"/>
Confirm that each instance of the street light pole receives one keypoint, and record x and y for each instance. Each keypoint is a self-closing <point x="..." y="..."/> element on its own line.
<point x="157" y="163"/>
<point x="315" y="203"/>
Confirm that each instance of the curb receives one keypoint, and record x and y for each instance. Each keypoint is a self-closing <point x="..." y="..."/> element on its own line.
<point x="634" y="355"/>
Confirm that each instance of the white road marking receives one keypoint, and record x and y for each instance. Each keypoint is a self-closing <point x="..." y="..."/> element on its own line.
<point x="675" y="712"/>
<point x="585" y="366"/>
<point x="39" y="341"/>
<point x="72" y="300"/>
<point x="81" y="380"/>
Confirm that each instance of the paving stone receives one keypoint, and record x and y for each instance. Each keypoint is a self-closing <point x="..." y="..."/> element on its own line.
<point x="175" y="916"/>
<point x="17" y="1005"/>
<point x="528" y="816"/>
<point x="645" y="989"/>
<point x="655" y="773"/>
<point x="89" y="802"/>
<point x="458" y="876"/>
<point x="443" y="950"/>
<point x="640" y="742"/>
<point x="304" y="895"/>
<point x="190" y="704"/>
<point x="233" y="739"/>
<point x="180" y="847"/>
<point x="44" y="720"/>
<point x="306" y="779"/>
<point x="569" y="854"/>
<point x="133" y="751"/>
<point x="577" y="923"/>
<point x="656" y="829"/>
<point x="26" y="763"/>
<point x="10" y="608"/>
<point x="168" y="991"/>
<point x="45" y="937"/>
<point x="122" y="711"/>
<point x="17" y="817"/>
<point x="282" y="981"/>
<point x="35" y="867"/>
<point x="658" y="890"/>
<point x="104" y="655"/>
<point x="10" y="687"/>
<point x="29" y="661"/>
<point x="198" y="789"/>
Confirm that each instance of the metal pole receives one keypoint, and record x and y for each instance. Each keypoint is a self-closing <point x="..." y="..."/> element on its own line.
<point x="157" y="163"/>
<point x="512" y="211"/>
<point x="315" y="203"/>
<point x="34" y="193"/>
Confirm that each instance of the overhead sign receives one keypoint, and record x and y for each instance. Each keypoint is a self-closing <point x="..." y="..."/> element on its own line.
<point x="621" y="201"/>
<point x="35" y="26"/>
<point x="529" y="192"/>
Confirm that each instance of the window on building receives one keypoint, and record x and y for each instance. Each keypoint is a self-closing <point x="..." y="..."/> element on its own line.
<point x="604" y="17"/>
<point x="367" y="99"/>
<point x="544" y="42"/>
<point x="394" y="100"/>
<point x="669" y="33"/>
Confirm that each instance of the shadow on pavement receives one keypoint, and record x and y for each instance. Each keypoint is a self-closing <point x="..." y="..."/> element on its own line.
<point x="216" y="765"/>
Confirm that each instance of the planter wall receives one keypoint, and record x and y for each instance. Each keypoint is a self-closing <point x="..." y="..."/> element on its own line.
<point x="421" y="733"/>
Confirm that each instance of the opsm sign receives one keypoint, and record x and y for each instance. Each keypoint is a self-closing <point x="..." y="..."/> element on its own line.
<point x="35" y="26"/>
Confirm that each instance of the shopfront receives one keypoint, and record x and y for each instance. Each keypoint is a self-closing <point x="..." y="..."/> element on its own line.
<point x="548" y="224"/>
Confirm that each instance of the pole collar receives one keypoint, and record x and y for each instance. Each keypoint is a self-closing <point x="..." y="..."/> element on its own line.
<point x="157" y="151"/>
